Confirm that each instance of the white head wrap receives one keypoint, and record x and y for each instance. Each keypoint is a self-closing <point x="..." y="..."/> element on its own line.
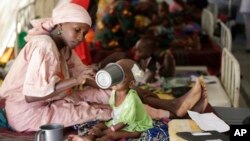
<point x="65" y="12"/>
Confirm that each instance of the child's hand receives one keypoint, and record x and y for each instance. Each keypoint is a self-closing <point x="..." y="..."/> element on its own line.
<point x="95" y="132"/>
<point x="74" y="138"/>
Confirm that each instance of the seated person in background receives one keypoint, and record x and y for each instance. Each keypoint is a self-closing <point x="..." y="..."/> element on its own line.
<point x="144" y="55"/>
<point x="194" y="9"/>
<point x="146" y="8"/>
<point x="168" y="64"/>
<point x="154" y="62"/>
<point x="162" y="16"/>
<point x="161" y="25"/>
<point x="129" y="117"/>
<point x="176" y="6"/>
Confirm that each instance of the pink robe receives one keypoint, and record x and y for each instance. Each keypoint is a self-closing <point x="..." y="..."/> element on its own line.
<point x="35" y="72"/>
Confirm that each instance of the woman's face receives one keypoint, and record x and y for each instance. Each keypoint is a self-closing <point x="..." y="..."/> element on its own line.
<point x="73" y="33"/>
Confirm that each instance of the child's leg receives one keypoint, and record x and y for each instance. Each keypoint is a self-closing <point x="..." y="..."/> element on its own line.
<point x="94" y="132"/>
<point x="119" y="135"/>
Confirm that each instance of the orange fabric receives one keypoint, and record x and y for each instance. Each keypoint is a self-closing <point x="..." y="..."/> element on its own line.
<point x="89" y="37"/>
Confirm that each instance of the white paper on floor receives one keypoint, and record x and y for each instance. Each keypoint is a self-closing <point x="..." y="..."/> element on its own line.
<point x="209" y="122"/>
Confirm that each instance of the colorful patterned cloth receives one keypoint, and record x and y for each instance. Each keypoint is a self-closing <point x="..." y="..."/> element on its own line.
<point x="159" y="132"/>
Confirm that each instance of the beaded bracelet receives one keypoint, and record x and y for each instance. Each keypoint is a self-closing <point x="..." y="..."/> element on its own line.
<point x="112" y="128"/>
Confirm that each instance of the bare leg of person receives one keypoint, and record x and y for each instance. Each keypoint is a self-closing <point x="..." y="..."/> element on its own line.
<point x="178" y="107"/>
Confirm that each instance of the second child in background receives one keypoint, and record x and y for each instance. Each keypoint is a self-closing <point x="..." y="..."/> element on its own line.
<point x="145" y="56"/>
<point x="155" y="61"/>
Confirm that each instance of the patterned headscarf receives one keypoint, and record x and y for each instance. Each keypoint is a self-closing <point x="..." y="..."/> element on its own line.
<point x="66" y="12"/>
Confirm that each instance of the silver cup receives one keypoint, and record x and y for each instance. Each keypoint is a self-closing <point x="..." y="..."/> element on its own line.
<point x="50" y="132"/>
<point x="110" y="75"/>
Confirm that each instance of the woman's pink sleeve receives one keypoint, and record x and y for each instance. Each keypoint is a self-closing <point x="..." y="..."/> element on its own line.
<point x="42" y="71"/>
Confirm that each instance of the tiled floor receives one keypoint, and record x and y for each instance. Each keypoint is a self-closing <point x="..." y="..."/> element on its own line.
<point x="238" y="49"/>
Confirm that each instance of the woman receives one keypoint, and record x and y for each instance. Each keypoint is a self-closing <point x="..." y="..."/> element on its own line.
<point x="38" y="87"/>
<point x="46" y="69"/>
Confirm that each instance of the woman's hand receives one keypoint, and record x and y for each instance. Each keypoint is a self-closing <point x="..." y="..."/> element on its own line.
<point x="96" y="66"/>
<point x="86" y="74"/>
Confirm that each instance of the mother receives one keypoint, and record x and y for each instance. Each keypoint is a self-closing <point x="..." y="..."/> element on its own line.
<point x="45" y="71"/>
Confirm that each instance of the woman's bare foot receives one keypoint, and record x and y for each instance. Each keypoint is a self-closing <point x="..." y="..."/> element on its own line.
<point x="201" y="105"/>
<point x="188" y="100"/>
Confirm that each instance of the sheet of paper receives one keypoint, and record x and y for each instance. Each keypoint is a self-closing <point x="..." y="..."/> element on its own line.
<point x="209" y="122"/>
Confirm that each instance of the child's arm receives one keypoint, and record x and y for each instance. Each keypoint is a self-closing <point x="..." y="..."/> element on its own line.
<point x="149" y="76"/>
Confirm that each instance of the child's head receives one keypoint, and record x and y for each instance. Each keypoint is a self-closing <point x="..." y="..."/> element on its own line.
<point x="119" y="75"/>
<point x="128" y="80"/>
<point x="144" y="47"/>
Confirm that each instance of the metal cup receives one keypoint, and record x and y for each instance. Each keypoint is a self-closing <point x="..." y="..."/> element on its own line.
<point x="50" y="132"/>
<point x="112" y="74"/>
